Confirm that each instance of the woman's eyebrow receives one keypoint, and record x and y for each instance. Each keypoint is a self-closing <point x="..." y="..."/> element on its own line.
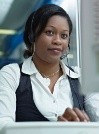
<point x="50" y="26"/>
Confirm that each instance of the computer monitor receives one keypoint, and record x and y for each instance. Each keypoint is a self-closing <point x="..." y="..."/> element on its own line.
<point x="89" y="44"/>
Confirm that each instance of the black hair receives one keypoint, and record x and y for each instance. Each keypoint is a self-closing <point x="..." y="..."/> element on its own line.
<point x="37" y="22"/>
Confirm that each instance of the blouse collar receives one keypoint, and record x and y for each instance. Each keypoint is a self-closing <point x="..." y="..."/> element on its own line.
<point x="29" y="68"/>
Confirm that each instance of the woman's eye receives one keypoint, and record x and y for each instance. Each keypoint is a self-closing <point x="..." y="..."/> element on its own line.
<point x="49" y="32"/>
<point x="64" y="36"/>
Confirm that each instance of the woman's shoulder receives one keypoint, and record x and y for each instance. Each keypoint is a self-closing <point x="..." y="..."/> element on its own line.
<point x="10" y="76"/>
<point x="10" y="67"/>
<point x="11" y="70"/>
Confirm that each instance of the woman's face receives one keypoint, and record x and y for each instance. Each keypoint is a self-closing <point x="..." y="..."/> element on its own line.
<point x="52" y="43"/>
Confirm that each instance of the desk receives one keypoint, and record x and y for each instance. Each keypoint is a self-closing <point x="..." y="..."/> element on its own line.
<point x="51" y="128"/>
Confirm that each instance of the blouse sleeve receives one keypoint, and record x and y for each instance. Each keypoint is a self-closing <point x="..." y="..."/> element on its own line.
<point x="9" y="81"/>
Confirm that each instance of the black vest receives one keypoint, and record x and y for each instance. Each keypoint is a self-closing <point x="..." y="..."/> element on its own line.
<point x="26" y="109"/>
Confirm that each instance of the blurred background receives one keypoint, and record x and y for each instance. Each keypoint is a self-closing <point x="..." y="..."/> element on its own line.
<point x="13" y="16"/>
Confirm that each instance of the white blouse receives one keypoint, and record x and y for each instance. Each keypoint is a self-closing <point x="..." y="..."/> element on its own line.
<point x="50" y="105"/>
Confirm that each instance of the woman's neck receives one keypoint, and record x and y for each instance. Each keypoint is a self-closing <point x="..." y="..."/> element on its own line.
<point x="45" y="68"/>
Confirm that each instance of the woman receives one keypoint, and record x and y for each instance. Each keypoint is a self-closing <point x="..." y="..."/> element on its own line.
<point x="43" y="88"/>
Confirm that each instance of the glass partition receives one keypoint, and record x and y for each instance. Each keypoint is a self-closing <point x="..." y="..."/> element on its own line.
<point x="12" y="19"/>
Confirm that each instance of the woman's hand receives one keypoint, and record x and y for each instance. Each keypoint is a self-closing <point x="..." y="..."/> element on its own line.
<point x="74" y="115"/>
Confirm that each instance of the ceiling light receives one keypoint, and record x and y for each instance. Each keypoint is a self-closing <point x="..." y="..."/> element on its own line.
<point x="7" y="31"/>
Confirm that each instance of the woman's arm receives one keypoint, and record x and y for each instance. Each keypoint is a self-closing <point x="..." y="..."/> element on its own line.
<point x="9" y="79"/>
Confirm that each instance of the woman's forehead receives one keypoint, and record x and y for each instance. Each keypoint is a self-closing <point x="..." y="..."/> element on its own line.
<point x="58" y="21"/>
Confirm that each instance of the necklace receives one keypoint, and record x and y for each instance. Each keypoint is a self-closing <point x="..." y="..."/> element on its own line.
<point x="51" y="75"/>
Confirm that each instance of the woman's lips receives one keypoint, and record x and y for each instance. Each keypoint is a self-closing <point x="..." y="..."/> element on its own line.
<point x="55" y="51"/>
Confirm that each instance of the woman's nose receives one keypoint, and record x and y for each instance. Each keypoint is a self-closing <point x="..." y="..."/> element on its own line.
<point x="57" y="40"/>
